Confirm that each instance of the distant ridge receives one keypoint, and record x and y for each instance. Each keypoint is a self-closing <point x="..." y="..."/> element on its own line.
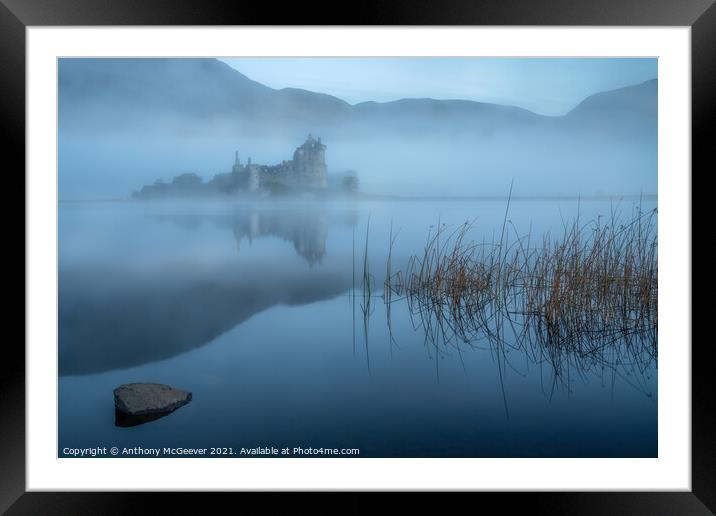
<point x="101" y="94"/>
<point x="640" y="98"/>
<point x="629" y="110"/>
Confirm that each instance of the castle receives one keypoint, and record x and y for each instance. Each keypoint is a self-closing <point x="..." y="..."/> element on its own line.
<point x="307" y="169"/>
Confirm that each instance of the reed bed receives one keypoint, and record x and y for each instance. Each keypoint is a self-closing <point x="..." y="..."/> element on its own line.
<point x="587" y="297"/>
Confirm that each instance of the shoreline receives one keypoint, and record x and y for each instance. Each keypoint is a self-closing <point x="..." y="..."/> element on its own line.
<point x="374" y="197"/>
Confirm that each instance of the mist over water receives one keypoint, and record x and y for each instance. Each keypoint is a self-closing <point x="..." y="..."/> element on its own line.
<point x="273" y="312"/>
<point x="250" y="307"/>
<point x="126" y="123"/>
<point x="111" y="166"/>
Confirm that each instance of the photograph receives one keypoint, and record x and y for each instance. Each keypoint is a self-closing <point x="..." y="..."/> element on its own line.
<point x="357" y="257"/>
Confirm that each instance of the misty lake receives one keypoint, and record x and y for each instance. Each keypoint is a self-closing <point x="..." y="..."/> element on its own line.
<point x="251" y="306"/>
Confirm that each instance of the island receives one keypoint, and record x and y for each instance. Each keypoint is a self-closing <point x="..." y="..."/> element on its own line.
<point x="306" y="172"/>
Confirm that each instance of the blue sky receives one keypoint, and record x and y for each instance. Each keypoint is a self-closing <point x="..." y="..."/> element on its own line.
<point x="550" y="86"/>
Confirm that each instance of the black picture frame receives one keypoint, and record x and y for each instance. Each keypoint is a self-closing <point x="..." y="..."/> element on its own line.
<point x="17" y="15"/>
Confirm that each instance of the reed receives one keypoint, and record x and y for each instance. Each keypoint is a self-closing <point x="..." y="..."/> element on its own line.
<point x="585" y="295"/>
<point x="367" y="281"/>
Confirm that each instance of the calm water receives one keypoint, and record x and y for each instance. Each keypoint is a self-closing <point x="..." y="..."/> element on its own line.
<point x="250" y="308"/>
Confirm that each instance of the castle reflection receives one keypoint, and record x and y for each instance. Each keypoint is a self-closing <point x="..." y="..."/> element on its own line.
<point x="306" y="229"/>
<point x="147" y="314"/>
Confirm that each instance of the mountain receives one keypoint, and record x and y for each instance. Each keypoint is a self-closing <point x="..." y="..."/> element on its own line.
<point x="639" y="100"/>
<point x="103" y="94"/>
<point x="131" y="92"/>
<point x="124" y="123"/>
<point x="630" y="111"/>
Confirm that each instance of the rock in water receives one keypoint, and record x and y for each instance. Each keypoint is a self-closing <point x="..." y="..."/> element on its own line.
<point x="149" y="398"/>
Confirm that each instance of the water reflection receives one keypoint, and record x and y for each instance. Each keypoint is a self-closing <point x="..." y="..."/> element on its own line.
<point x="124" y="420"/>
<point x="459" y="302"/>
<point x="160" y="293"/>
<point x="119" y="318"/>
<point x="113" y="316"/>
<point x="306" y="229"/>
<point x="518" y="349"/>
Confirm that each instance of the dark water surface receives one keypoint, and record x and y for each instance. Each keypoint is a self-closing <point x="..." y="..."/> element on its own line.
<point x="250" y="307"/>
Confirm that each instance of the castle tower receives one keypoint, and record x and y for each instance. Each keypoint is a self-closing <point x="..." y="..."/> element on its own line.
<point x="237" y="164"/>
<point x="309" y="162"/>
<point x="253" y="180"/>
